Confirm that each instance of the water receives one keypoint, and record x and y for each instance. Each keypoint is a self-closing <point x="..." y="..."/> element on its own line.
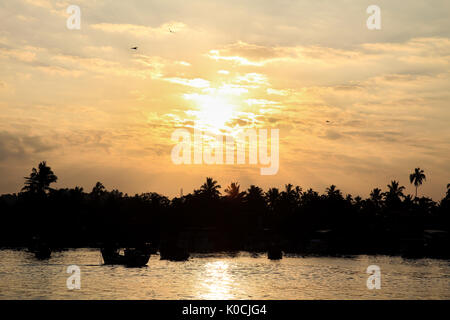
<point x="222" y="276"/>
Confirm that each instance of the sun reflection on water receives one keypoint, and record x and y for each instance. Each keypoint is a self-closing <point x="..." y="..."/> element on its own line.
<point x="216" y="281"/>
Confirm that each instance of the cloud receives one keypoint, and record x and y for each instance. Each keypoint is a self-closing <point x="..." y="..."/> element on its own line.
<point x="196" y="83"/>
<point x="256" y="55"/>
<point x="246" y="54"/>
<point x="260" y="102"/>
<point x="253" y="77"/>
<point x="59" y="71"/>
<point x="56" y="8"/>
<point x="24" y="55"/>
<point x="20" y="147"/>
<point x="47" y="4"/>
<point x="277" y="92"/>
<point x="141" y="30"/>
<point x="431" y="50"/>
<point x="232" y="89"/>
<point x="76" y="65"/>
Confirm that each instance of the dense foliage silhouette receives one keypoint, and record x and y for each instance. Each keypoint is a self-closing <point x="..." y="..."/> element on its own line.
<point x="295" y="220"/>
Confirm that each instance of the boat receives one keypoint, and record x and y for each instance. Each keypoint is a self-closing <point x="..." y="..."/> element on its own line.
<point x="42" y="253"/>
<point x="40" y="249"/>
<point x="132" y="257"/>
<point x="274" y="253"/>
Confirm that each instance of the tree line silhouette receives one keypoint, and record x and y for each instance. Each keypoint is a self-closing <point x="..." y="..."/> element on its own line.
<point x="292" y="219"/>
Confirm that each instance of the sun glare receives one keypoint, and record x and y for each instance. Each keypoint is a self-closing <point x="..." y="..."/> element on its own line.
<point x="213" y="111"/>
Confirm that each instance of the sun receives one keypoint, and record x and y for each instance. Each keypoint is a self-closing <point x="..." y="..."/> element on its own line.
<point x="213" y="111"/>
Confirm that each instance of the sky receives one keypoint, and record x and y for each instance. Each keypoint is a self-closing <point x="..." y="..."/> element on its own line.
<point x="354" y="107"/>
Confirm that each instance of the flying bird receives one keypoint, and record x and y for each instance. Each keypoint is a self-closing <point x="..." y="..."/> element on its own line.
<point x="134" y="48"/>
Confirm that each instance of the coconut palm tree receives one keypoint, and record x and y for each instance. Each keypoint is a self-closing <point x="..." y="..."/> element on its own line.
<point x="233" y="192"/>
<point x="210" y="189"/>
<point x="334" y="193"/>
<point x="40" y="179"/>
<point x="290" y="197"/>
<point x="272" y="198"/>
<point x="395" y="189"/>
<point x="292" y="192"/>
<point x="394" y="194"/>
<point x="376" y="196"/>
<point x="309" y="197"/>
<point x="254" y="197"/>
<point x="417" y="177"/>
<point x="254" y="193"/>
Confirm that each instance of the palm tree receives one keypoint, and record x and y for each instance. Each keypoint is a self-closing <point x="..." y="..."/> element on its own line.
<point x="254" y="197"/>
<point x="394" y="193"/>
<point x="290" y="197"/>
<point x="254" y="193"/>
<point x="233" y="192"/>
<point x="210" y="189"/>
<point x="376" y="196"/>
<point x="272" y="197"/>
<point x="291" y="192"/>
<point x="309" y="197"/>
<point x="40" y="179"/>
<point x="395" y="189"/>
<point x="417" y="177"/>
<point x="333" y="193"/>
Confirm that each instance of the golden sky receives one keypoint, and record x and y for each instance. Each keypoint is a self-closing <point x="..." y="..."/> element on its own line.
<point x="96" y="110"/>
